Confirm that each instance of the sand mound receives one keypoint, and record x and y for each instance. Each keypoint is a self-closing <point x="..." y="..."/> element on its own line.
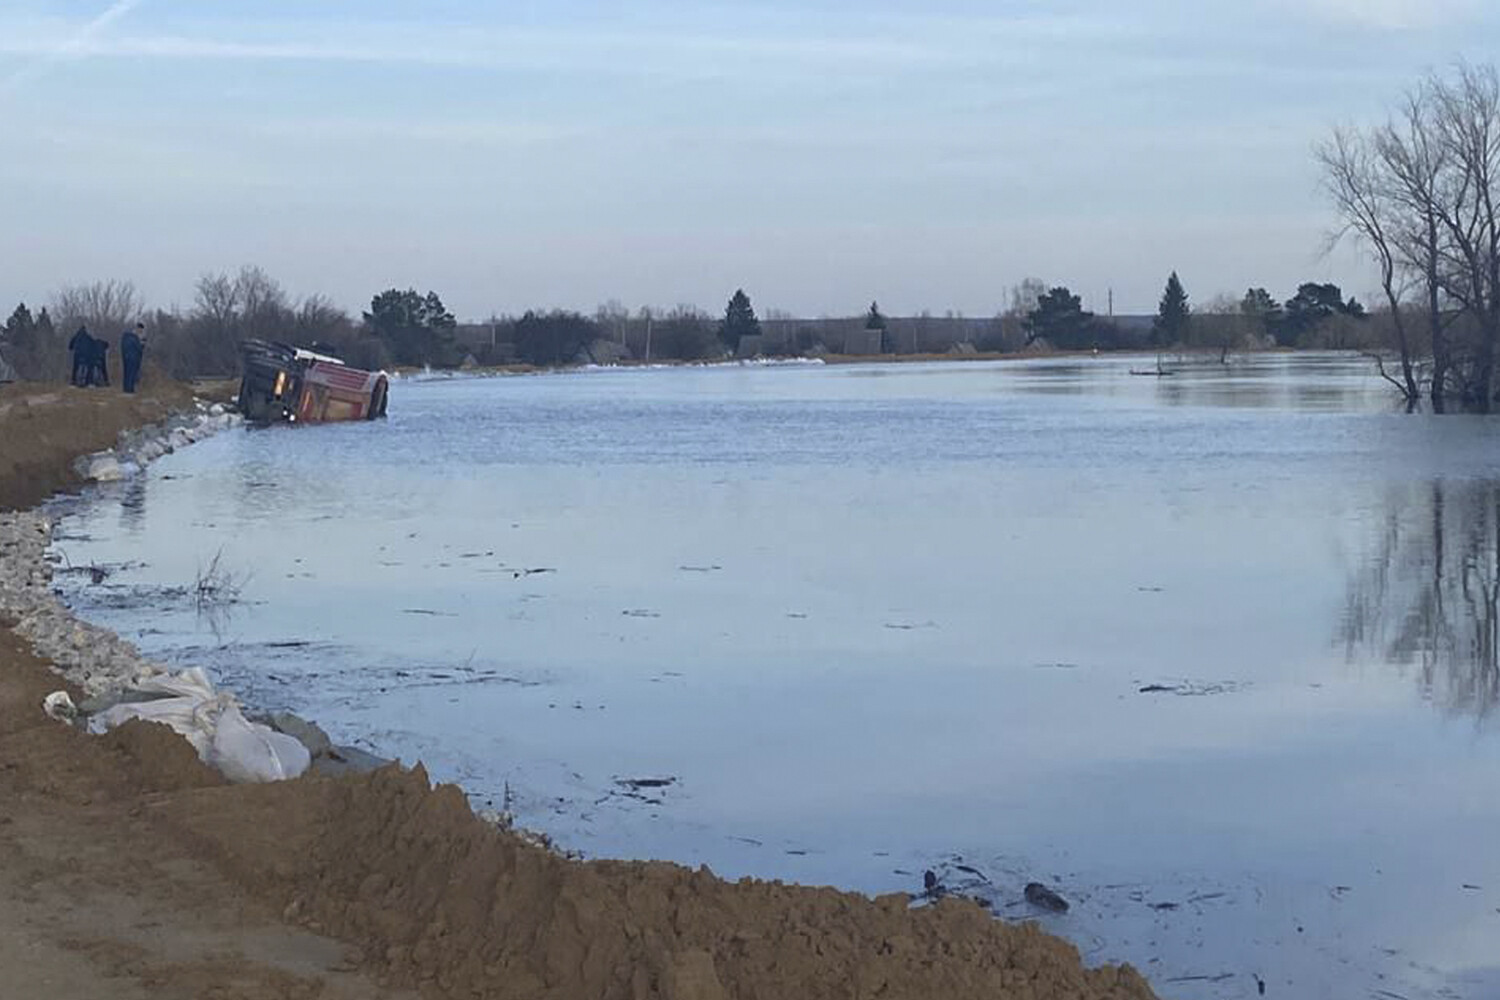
<point x="438" y="898"/>
<point x="156" y="758"/>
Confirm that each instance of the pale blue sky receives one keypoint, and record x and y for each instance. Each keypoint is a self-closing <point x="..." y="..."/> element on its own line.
<point x="819" y="154"/>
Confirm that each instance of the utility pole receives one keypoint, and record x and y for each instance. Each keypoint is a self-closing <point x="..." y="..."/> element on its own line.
<point x="1111" y="303"/>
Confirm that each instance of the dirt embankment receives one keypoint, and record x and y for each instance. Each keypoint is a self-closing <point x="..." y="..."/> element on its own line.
<point x="44" y="428"/>
<point x="137" y="872"/>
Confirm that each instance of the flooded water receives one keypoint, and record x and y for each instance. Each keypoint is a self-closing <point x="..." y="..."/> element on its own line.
<point x="1213" y="655"/>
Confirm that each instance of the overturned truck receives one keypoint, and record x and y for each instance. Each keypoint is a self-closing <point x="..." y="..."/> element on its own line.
<point x="290" y="384"/>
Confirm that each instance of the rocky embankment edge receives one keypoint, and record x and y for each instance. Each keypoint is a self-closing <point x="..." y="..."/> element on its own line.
<point x="442" y="902"/>
<point x="93" y="658"/>
<point x="107" y="669"/>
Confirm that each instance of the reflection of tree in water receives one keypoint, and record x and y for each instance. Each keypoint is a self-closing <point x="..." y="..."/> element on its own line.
<point x="1427" y="595"/>
<point x="133" y="504"/>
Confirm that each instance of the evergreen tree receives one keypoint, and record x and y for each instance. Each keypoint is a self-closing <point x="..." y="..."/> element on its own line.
<point x="1173" y="317"/>
<point x="20" y="331"/>
<point x="42" y="332"/>
<point x="739" y="321"/>
<point x="554" y="338"/>
<point x="1258" y="303"/>
<point x="1312" y="306"/>
<point x="1060" y="319"/>
<point x="875" y="321"/>
<point x="417" y="329"/>
<point x="1261" y="310"/>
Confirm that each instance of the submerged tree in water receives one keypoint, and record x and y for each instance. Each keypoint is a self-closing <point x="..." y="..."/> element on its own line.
<point x="1422" y="194"/>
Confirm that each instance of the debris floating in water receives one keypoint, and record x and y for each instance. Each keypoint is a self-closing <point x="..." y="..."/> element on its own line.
<point x="1039" y="895"/>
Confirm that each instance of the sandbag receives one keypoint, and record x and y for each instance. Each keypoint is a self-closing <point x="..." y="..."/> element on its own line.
<point x="241" y="750"/>
<point x="191" y="683"/>
<point x="246" y="751"/>
<point x="190" y="716"/>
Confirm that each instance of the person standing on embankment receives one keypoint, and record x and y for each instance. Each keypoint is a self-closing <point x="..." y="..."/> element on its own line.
<point x="82" y="346"/>
<point x="132" y="350"/>
<point x="98" y="362"/>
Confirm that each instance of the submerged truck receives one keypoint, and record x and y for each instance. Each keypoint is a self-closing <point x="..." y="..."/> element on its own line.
<point x="287" y="384"/>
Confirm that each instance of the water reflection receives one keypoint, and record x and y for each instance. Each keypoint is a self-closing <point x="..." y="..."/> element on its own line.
<point x="1426" y="597"/>
<point x="1338" y="383"/>
<point x="133" y="504"/>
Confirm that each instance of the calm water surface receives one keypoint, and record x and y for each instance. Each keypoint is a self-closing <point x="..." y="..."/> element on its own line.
<point x="1215" y="654"/>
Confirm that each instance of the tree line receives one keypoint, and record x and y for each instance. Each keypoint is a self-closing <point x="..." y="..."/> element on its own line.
<point x="411" y="328"/>
<point x="201" y="341"/>
<point x="401" y="328"/>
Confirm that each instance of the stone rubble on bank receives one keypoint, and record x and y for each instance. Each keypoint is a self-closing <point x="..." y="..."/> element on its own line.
<point x="94" y="658"/>
<point x="91" y="657"/>
<point x="138" y="448"/>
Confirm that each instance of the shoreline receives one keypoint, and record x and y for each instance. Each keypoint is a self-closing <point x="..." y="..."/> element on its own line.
<point x="1196" y="354"/>
<point x="437" y="898"/>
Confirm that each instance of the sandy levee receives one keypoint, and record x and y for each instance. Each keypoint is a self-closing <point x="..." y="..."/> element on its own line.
<point x="131" y="869"/>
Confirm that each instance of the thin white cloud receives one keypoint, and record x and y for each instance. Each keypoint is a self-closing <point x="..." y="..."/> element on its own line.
<point x="69" y="46"/>
<point x="881" y="45"/>
<point x="498" y="48"/>
<point x="1393" y="15"/>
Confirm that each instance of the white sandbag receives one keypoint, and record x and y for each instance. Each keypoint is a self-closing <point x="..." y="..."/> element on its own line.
<point x="212" y="723"/>
<point x="192" y="717"/>
<point x="247" y="751"/>
<point x="101" y="468"/>
<point x="59" y="705"/>
<point x="191" y="683"/>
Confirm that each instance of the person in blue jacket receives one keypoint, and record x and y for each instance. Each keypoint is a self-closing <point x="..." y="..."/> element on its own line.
<point x="132" y="351"/>
<point x="99" y="362"/>
<point x="82" y="346"/>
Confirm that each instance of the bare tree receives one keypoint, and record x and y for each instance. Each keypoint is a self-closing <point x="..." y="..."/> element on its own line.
<point x="1222" y="323"/>
<point x="1361" y="192"/>
<point x="319" y="321"/>
<point x="1025" y="296"/>
<point x="1421" y="193"/>
<point x="1467" y="117"/>
<point x="264" y="311"/>
<point x="103" y="306"/>
<point x="217" y="301"/>
<point x="1415" y="163"/>
<point x="613" y="317"/>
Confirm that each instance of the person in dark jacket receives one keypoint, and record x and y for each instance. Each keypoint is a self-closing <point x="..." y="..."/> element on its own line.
<point x="132" y="350"/>
<point x="99" y="365"/>
<point x="82" y="346"/>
